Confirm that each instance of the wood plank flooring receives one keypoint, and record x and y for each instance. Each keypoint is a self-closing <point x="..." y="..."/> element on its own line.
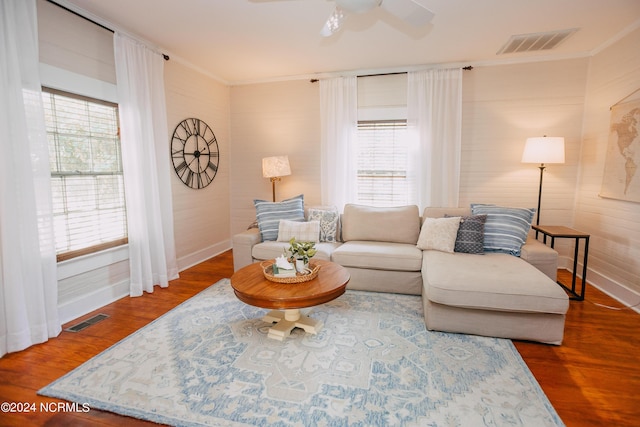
<point x="593" y="379"/>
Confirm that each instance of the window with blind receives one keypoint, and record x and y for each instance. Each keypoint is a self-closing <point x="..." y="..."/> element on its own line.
<point x="86" y="174"/>
<point x="382" y="163"/>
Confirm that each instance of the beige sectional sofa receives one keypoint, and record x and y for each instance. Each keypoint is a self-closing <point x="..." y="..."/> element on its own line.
<point x="490" y="294"/>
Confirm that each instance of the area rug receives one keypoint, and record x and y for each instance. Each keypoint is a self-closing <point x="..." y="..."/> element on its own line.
<point x="209" y="362"/>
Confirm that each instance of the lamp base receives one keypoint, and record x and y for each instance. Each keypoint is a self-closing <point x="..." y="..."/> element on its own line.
<point x="273" y="186"/>
<point x="542" y="167"/>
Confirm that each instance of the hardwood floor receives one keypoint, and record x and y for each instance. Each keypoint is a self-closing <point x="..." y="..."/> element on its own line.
<point x="593" y="379"/>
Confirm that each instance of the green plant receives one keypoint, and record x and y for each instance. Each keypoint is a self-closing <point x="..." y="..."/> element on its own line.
<point x="301" y="250"/>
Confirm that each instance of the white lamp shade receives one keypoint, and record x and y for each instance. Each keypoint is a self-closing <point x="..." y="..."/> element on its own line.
<point x="275" y="166"/>
<point x="544" y="149"/>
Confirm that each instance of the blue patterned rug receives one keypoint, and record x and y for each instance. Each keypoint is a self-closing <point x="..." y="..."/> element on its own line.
<point x="209" y="362"/>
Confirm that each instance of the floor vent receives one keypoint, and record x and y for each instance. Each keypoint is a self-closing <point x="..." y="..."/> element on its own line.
<point x="535" y="41"/>
<point x="85" y="324"/>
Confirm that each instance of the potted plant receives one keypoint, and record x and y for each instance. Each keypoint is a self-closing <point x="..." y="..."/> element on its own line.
<point x="301" y="252"/>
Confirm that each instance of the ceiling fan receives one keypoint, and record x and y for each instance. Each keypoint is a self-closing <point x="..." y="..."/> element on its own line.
<point x="407" y="10"/>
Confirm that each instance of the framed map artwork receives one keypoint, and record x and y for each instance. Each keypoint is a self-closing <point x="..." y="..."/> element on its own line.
<point x="621" y="178"/>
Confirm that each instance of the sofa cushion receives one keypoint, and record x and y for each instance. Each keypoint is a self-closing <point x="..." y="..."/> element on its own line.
<point x="378" y="255"/>
<point x="269" y="214"/>
<point x="393" y="224"/>
<point x="302" y="231"/>
<point x="439" y="234"/>
<point x="491" y="282"/>
<point x="506" y="228"/>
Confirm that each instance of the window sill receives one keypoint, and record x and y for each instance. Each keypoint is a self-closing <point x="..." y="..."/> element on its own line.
<point x="82" y="264"/>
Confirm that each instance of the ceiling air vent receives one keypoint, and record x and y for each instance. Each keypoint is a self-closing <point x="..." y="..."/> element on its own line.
<point x="535" y="41"/>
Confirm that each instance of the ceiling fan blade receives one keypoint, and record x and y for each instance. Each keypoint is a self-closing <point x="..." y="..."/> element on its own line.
<point x="409" y="11"/>
<point x="334" y="22"/>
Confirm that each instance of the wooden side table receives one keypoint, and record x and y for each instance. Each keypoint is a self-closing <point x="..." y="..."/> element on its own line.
<point x="562" y="232"/>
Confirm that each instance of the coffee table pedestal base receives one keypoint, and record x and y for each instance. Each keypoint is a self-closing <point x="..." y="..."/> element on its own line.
<point x="287" y="320"/>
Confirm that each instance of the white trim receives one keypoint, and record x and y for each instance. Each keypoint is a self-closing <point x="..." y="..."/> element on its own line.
<point x="68" y="81"/>
<point x="197" y="257"/>
<point x="615" y="290"/>
<point x="92" y="301"/>
<point x="82" y="264"/>
<point x="622" y="34"/>
<point x="421" y="67"/>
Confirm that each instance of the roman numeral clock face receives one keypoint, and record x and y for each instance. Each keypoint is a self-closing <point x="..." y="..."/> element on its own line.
<point x="194" y="151"/>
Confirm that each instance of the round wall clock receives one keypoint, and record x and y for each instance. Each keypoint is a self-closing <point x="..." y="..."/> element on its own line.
<point x="194" y="151"/>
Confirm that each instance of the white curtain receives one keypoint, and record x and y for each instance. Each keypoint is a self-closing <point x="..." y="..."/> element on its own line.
<point x="338" y="121"/>
<point x="434" y="120"/>
<point x="28" y="280"/>
<point x="145" y="162"/>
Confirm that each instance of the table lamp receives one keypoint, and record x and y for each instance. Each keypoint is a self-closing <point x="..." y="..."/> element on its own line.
<point x="274" y="168"/>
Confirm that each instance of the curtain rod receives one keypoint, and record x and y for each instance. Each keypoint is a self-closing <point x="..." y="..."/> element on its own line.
<point x="467" y="68"/>
<point x="165" y="56"/>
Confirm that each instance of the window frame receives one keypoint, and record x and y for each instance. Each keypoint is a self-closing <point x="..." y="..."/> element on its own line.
<point x="117" y="242"/>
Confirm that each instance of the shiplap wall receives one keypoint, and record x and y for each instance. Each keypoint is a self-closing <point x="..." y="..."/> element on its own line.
<point x="201" y="218"/>
<point x="503" y="106"/>
<point x="78" y="57"/>
<point x="69" y="42"/>
<point x="77" y="51"/>
<point x="273" y="119"/>
<point x="614" y="225"/>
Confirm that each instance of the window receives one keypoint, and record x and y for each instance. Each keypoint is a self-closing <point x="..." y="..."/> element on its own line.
<point x="86" y="174"/>
<point x="382" y="163"/>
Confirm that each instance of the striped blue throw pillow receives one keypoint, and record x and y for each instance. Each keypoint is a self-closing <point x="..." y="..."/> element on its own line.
<point x="269" y="214"/>
<point x="506" y="229"/>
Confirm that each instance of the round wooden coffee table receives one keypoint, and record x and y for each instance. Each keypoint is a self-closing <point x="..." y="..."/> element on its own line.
<point x="251" y="287"/>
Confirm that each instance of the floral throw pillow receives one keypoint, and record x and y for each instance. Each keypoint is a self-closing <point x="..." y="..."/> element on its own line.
<point x="329" y="220"/>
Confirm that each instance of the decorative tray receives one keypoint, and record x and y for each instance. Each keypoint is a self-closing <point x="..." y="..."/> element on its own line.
<point x="267" y="269"/>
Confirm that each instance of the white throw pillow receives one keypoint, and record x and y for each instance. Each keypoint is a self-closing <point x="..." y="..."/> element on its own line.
<point x="439" y="234"/>
<point x="302" y="231"/>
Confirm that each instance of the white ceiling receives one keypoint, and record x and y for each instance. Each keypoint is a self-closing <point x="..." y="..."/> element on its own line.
<point x="241" y="41"/>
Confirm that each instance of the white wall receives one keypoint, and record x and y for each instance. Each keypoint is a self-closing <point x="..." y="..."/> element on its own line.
<point x="614" y="225"/>
<point x="201" y="217"/>
<point x="77" y="56"/>
<point x="269" y="120"/>
<point x="503" y="106"/>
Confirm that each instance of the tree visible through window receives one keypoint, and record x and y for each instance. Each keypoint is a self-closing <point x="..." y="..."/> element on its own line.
<point x="382" y="163"/>
<point x="86" y="173"/>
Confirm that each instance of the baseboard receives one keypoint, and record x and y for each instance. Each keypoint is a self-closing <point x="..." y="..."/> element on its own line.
<point x="604" y="283"/>
<point x="203" y="255"/>
<point x="84" y="304"/>
<point x="93" y="301"/>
